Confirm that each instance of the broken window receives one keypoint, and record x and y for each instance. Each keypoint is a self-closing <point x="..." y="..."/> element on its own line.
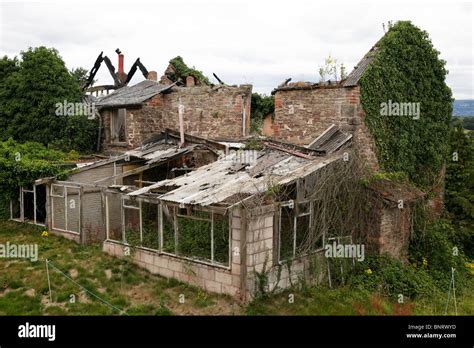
<point x="295" y="221"/>
<point x="28" y="200"/>
<point x="185" y="232"/>
<point x="168" y="218"/>
<point x="29" y="204"/>
<point x="114" y="216"/>
<point x="118" y="126"/>
<point x="194" y="233"/>
<point x="15" y="203"/>
<point x="150" y="226"/>
<point x="221" y="238"/>
<point x="40" y="204"/>
<point x="131" y="218"/>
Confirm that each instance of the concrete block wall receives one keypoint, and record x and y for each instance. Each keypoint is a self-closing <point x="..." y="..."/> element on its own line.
<point x="259" y="245"/>
<point x="262" y="256"/>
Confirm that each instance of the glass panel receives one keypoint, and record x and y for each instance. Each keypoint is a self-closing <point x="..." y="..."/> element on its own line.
<point x="57" y="190"/>
<point x="73" y="209"/>
<point x="59" y="220"/>
<point x="114" y="203"/>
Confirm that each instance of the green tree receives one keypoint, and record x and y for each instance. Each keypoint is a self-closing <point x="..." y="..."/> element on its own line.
<point x="29" y="92"/>
<point x="80" y="75"/>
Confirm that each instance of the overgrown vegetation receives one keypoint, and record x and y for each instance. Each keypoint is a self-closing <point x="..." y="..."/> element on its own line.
<point x="181" y="71"/>
<point x="22" y="164"/>
<point x="459" y="194"/>
<point x="407" y="68"/>
<point x="261" y="106"/>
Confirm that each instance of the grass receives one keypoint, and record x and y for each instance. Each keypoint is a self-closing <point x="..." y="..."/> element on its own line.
<point x="24" y="288"/>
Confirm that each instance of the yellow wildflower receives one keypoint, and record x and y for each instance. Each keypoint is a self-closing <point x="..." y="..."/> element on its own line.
<point x="44" y="234"/>
<point x="368" y="271"/>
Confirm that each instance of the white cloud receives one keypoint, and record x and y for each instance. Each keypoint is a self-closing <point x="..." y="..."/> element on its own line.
<point x="245" y="41"/>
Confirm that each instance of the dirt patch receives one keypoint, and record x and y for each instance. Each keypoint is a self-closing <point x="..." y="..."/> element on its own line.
<point x="30" y="292"/>
<point x="73" y="273"/>
<point x="4" y="293"/>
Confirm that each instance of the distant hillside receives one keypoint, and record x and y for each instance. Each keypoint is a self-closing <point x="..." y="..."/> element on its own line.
<point x="463" y="107"/>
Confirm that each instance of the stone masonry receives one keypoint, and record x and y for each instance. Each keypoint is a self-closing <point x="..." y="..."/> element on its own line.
<point x="302" y="114"/>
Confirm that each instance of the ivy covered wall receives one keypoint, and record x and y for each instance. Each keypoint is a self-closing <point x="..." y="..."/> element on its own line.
<point x="406" y="68"/>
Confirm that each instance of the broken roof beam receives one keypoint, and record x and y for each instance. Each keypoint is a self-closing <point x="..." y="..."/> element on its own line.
<point x="196" y="139"/>
<point x="295" y="150"/>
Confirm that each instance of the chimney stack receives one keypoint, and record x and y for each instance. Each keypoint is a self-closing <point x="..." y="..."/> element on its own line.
<point x="152" y="75"/>
<point x="120" y="65"/>
<point x="121" y="72"/>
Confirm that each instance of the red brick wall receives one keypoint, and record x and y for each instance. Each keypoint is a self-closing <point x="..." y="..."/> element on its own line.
<point x="303" y="114"/>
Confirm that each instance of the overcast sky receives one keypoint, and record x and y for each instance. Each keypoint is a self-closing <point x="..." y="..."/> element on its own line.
<point x="255" y="42"/>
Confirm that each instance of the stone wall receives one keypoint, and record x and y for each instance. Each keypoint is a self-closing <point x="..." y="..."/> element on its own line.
<point x="393" y="234"/>
<point x="212" y="112"/>
<point x="302" y="114"/>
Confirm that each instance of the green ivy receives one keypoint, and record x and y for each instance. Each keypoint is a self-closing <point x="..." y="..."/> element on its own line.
<point x="22" y="164"/>
<point x="181" y="71"/>
<point x="407" y="68"/>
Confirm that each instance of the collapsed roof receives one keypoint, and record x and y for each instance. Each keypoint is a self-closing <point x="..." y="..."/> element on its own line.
<point x="235" y="177"/>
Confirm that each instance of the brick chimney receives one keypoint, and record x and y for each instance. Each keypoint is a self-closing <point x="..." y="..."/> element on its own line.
<point x="121" y="71"/>
<point x="190" y="81"/>
<point x="120" y="64"/>
<point x="152" y="75"/>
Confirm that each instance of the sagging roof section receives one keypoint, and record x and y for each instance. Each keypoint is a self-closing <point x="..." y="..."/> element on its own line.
<point x="331" y="140"/>
<point x="134" y="95"/>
